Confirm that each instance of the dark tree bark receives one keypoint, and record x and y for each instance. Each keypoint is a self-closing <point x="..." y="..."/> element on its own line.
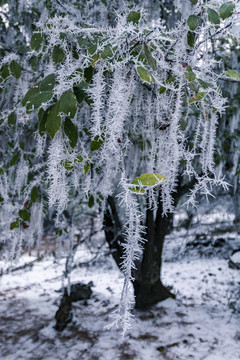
<point x="148" y="287"/>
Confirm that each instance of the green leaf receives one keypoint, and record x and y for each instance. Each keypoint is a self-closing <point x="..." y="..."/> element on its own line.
<point x="22" y="145"/>
<point x="54" y="121"/>
<point x="68" y="165"/>
<point x="15" y="69"/>
<point x="194" y="2"/>
<point x="107" y="52"/>
<point x="234" y="39"/>
<point x="71" y="131"/>
<point x="152" y="62"/>
<point x="213" y="16"/>
<point x="204" y="84"/>
<point x="14" y="224"/>
<point x="190" y="75"/>
<point x="83" y="42"/>
<point x="96" y="57"/>
<point x="14" y="159"/>
<point x="79" y="159"/>
<point x="91" y="201"/>
<point x="79" y="91"/>
<point x="47" y="84"/>
<point x="12" y="119"/>
<point x="34" y="194"/>
<point x="162" y="90"/>
<point x="4" y="71"/>
<point x="42" y="118"/>
<point x="96" y="143"/>
<point x="199" y="96"/>
<point x="232" y="74"/>
<point x="68" y="103"/>
<point x="226" y="10"/>
<point x="191" y="38"/>
<point x="24" y="215"/>
<point x="194" y="86"/>
<point x="38" y="100"/>
<point x="92" y="48"/>
<point x="137" y="189"/>
<point x="169" y="81"/>
<point x="144" y="74"/>
<point x="86" y="167"/>
<point x="193" y="22"/>
<point x="31" y="92"/>
<point x="149" y="179"/>
<point x="62" y="36"/>
<point x="58" y="54"/>
<point x="134" y="17"/>
<point x="36" y="41"/>
<point x="88" y="73"/>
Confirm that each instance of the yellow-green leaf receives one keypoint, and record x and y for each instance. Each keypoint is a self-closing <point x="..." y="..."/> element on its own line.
<point x="144" y="74"/>
<point x="149" y="179"/>
<point x="190" y="76"/>
<point x="232" y="74"/>
<point x="137" y="189"/>
<point x="86" y="167"/>
<point x="199" y="96"/>
<point x="68" y="165"/>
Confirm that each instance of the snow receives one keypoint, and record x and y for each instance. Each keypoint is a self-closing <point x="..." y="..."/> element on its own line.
<point x="236" y="257"/>
<point x="199" y="324"/>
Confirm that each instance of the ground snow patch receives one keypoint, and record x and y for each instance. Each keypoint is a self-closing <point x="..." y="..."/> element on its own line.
<point x="198" y="325"/>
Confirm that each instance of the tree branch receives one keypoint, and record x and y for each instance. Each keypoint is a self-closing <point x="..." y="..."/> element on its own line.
<point x="215" y="34"/>
<point x="225" y="78"/>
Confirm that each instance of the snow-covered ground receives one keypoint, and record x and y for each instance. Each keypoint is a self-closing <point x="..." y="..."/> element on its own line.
<point x="201" y="324"/>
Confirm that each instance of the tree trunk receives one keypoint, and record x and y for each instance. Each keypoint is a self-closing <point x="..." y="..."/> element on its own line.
<point x="148" y="287"/>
